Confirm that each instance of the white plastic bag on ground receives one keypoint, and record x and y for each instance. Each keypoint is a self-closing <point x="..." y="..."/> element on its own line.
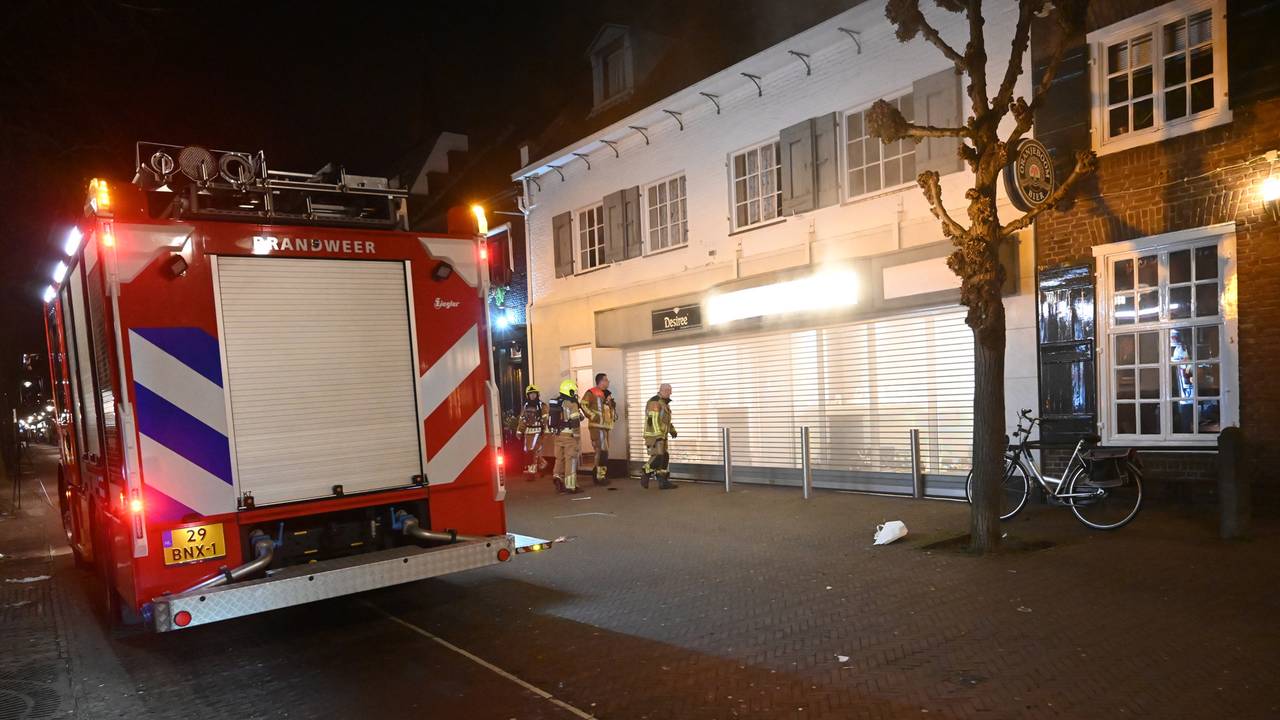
<point x="890" y="531"/>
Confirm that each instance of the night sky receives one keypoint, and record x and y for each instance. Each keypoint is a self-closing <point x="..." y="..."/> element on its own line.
<point x="359" y="84"/>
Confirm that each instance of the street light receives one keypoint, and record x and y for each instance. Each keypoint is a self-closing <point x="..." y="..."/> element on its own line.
<point x="1271" y="195"/>
<point x="26" y="383"/>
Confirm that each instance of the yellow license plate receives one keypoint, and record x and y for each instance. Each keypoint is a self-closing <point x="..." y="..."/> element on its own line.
<point x="193" y="544"/>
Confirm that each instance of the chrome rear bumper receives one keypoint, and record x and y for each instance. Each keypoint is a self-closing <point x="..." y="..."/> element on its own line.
<point x="327" y="579"/>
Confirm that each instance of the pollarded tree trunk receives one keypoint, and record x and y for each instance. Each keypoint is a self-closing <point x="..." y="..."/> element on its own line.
<point x="988" y="440"/>
<point x="976" y="257"/>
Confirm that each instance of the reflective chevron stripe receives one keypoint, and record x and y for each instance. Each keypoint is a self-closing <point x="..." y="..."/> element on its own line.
<point x="182" y="419"/>
<point x="466" y="436"/>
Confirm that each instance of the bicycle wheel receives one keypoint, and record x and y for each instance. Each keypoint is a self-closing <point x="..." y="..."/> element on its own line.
<point x="1014" y="489"/>
<point x="1108" y="507"/>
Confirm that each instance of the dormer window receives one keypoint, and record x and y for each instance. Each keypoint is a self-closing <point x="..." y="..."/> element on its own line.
<point x="612" y="66"/>
<point x="614" y="69"/>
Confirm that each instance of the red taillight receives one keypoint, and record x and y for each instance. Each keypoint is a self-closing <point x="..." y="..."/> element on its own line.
<point x="504" y="555"/>
<point x="135" y="506"/>
<point x="108" y="235"/>
<point x="182" y="619"/>
<point x="501" y="460"/>
<point x="484" y="253"/>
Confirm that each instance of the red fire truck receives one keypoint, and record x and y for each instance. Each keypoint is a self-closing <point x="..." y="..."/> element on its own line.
<point x="268" y="391"/>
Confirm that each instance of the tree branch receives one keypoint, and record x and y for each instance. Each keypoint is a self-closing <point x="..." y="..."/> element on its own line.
<point x="1021" y="39"/>
<point x="1086" y="163"/>
<point x="975" y="54"/>
<point x="929" y="183"/>
<point x="909" y="21"/>
<point x="886" y="122"/>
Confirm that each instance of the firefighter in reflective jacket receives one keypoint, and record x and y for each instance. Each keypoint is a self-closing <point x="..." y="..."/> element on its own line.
<point x="531" y="428"/>
<point x="657" y="428"/>
<point x="563" y="418"/>
<point x="601" y="411"/>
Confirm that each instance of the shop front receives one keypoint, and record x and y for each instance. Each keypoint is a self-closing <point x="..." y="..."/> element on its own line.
<point x="866" y="355"/>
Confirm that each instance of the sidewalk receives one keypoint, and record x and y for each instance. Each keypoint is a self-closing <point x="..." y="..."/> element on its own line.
<point x="759" y="604"/>
<point x="34" y="679"/>
<point x="57" y="660"/>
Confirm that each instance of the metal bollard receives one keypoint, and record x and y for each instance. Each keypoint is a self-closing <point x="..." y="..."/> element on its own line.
<point x="917" y="479"/>
<point x="806" y="468"/>
<point x="728" y="459"/>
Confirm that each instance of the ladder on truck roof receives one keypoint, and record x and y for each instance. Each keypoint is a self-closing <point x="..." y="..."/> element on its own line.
<point x="192" y="182"/>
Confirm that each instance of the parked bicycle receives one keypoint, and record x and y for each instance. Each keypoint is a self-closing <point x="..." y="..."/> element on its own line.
<point x="1102" y="486"/>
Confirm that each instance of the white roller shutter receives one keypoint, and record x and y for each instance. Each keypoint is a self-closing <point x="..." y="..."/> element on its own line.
<point x="320" y="375"/>
<point x="860" y="388"/>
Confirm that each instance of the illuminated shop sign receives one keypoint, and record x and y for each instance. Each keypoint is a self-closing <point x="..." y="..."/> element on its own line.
<point x="685" y="317"/>
<point x="827" y="289"/>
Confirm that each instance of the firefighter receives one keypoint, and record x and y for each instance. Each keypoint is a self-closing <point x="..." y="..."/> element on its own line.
<point x="601" y="411"/>
<point x="531" y="428"/>
<point x="563" y="418"/>
<point x="657" y="428"/>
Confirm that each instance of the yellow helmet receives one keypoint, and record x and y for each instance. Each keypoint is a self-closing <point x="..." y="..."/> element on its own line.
<point x="532" y="389"/>
<point x="569" y="387"/>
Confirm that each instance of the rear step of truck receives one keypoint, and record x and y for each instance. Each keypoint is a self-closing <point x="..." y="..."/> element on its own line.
<point x="301" y="584"/>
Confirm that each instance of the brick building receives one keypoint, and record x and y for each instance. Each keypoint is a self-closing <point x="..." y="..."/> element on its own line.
<point x="1170" y="241"/>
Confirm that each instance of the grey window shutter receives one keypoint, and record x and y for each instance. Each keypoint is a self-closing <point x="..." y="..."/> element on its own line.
<point x="1060" y="123"/>
<point x="826" y="151"/>
<point x="634" y="245"/>
<point x="937" y="103"/>
<point x="615" y="227"/>
<point x="796" y="143"/>
<point x="562" y="241"/>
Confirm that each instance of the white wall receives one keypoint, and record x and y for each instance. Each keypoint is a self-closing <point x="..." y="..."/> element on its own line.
<point x="562" y="309"/>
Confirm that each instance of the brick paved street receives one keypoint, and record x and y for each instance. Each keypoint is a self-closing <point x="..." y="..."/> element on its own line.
<point x="693" y="604"/>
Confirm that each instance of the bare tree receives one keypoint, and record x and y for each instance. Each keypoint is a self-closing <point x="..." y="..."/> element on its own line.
<point x="976" y="257"/>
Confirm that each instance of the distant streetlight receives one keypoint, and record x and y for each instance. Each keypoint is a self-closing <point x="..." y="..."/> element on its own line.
<point x="26" y="383"/>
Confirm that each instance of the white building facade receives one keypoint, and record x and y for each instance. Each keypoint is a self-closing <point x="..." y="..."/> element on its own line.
<point x="743" y="240"/>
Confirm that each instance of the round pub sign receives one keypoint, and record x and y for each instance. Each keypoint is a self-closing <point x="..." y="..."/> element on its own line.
<point x="1029" y="178"/>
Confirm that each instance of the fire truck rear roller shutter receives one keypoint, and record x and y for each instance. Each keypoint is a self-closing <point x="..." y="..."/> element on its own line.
<point x="320" y="374"/>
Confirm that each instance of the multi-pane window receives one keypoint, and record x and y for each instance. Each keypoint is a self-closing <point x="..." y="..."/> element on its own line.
<point x="1188" y="66"/>
<point x="1166" y="332"/>
<point x="757" y="185"/>
<point x="591" y="237"/>
<point x="1130" y="86"/>
<point x="668" y="221"/>
<point x="1162" y="69"/>
<point x="871" y="164"/>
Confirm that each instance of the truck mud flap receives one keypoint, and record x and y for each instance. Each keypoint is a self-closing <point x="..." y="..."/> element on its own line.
<point x="323" y="580"/>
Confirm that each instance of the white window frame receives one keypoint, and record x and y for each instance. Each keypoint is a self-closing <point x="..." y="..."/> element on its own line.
<point x="846" y="188"/>
<point x="1229" y="408"/>
<point x="733" y="193"/>
<point x="645" y="227"/>
<point x="1153" y="21"/>
<point x="598" y="57"/>
<point x="580" y="266"/>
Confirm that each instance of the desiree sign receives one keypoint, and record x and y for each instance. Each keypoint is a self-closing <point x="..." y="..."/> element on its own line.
<point x="687" y="317"/>
<point x="1028" y="178"/>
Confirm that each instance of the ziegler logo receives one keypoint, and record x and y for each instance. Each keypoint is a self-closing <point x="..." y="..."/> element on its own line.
<point x="446" y="304"/>
<point x="267" y="244"/>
